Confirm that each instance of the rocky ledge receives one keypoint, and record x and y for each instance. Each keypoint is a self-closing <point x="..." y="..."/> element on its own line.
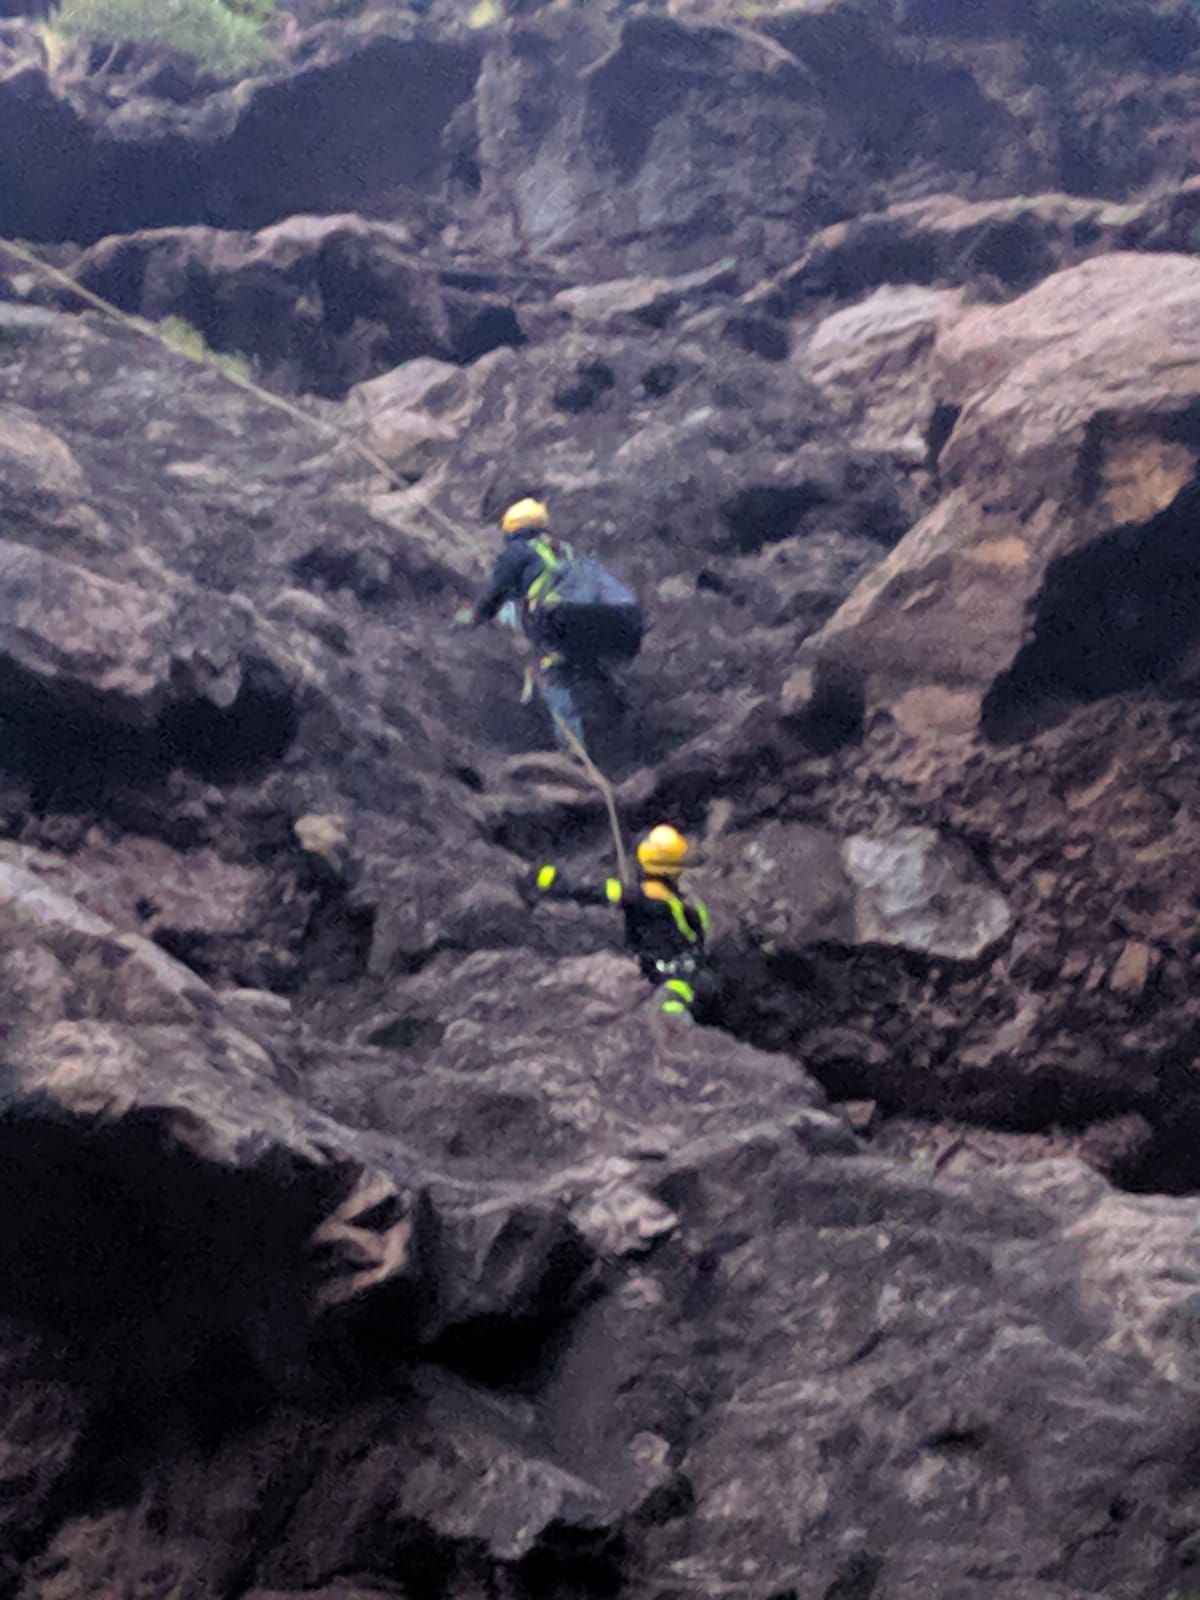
<point x="371" y="1235"/>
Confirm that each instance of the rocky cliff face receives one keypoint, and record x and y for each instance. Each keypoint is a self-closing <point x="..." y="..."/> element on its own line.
<point x="370" y="1235"/>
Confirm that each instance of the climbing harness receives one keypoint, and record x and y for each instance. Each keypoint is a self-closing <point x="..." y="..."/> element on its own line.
<point x="554" y="557"/>
<point x="659" y="891"/>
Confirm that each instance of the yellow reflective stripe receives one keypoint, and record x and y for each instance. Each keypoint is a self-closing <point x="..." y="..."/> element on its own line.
<point x="613" y="891"/>
<point x="546" y="876"/>
<point x="680" y="987"/>
<point x="538" y="587"/>
<point x="547" y="552"/>
<point x="702" y="912"/>
<point x="674" y="1008"/>
<point x="680" y="917"/>
<point x="548" y="556"/>
<point x="552" y="559"/>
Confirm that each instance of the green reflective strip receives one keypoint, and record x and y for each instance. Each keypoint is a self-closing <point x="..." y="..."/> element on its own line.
<point x="552" y="559"/>
<point x="537" y="589"/>
<point x="680" y="917"/>
<point x="546" y="877"/>
<point x="549" y="558"/>
<point x="674" y="1008"/>
<point x="702" y="912"/>
<point x="682" y="988"/>
<point x="612" y="891"/>
<point x="547" y="552"/>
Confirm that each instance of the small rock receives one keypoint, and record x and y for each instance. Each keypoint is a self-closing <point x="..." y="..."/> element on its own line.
<point x="262" y="1003"/>
<point x="860" y="1114"/>
<point x="919" y="891"/>
<point x="325" y="837"/>
<point x="1132" y="969"/>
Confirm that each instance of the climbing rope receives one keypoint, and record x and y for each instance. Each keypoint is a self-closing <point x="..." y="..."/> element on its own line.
<point x="579" y="750"/>
<point x="147" y="330"/>
<point x="240" y="380"/>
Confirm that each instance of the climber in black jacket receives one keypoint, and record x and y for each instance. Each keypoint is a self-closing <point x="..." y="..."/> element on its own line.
<point x="666" y="932"/>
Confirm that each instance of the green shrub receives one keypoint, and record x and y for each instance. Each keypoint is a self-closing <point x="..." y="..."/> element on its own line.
<point x="225" y="39"/>
<point x="180" y="335"/>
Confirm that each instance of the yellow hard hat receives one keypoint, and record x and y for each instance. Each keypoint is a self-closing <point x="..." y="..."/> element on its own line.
<point x="525" y="514"/>
<point x="664" y="852"/>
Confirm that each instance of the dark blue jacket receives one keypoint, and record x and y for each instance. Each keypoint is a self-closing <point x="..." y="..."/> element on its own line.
<point x="518" y="566"/>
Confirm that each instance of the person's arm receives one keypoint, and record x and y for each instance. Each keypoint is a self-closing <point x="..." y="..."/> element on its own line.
<point x="507" y="583"/>
<point x="548" y="883"/>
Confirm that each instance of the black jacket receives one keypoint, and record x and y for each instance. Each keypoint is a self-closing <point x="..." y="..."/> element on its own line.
<point x="663" y="930"/>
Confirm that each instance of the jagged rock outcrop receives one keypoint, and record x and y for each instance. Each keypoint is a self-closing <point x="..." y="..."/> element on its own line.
<point x="1005" y="245"/>
<point x="1080" y="395"/>
<point x="369" y="1233"/>
<point x="588" y="133"/>
<point x="317" y="303"/>
<point x="604" y="1262"/>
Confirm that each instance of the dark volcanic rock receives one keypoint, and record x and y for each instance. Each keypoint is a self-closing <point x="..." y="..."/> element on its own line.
<point x="318" y="303"/>
<point x="1005" y="246"/>
<point x="369" y="1233"/>
<point x="1018" y="673"/>
<point x="87" y="154"/>
<point x="637" y="142"/>
<point x="457" y="1267"/>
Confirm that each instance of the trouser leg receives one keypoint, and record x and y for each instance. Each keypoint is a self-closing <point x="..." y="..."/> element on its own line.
<point x="561" y="701"/>
<point x="687" y="988"/>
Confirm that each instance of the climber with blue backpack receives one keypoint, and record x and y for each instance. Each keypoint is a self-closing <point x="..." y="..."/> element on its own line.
<point x="579" y="618"/>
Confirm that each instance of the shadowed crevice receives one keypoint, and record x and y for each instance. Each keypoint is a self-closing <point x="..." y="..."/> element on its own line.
<point x="74" y="749"/>
<point x="1120" y="615"/>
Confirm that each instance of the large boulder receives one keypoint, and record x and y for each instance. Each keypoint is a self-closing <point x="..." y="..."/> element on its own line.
<point x="1069" y="467"/>
<point x="315" y="303"/>
<point x="873" y="361"/>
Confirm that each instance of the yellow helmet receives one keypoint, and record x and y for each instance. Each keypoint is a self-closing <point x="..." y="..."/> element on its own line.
<point x="664" y="852"/>
<point x="525" y="514"/>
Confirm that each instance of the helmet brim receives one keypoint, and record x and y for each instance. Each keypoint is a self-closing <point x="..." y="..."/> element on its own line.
<point x="667" y="869"/>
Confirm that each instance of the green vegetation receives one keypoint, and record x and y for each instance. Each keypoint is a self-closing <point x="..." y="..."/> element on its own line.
<point x="190" y="342"/>
<point x="224" y="36"/>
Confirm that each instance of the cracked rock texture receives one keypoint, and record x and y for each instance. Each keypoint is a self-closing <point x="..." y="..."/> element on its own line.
<point x="369" y="1234"/>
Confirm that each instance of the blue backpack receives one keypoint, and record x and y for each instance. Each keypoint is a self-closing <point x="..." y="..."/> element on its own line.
<point x="577" y="605"/>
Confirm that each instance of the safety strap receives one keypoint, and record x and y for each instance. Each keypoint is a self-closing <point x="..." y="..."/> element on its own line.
<point x="553" y="557"/>
<point x="679" y="915"/>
